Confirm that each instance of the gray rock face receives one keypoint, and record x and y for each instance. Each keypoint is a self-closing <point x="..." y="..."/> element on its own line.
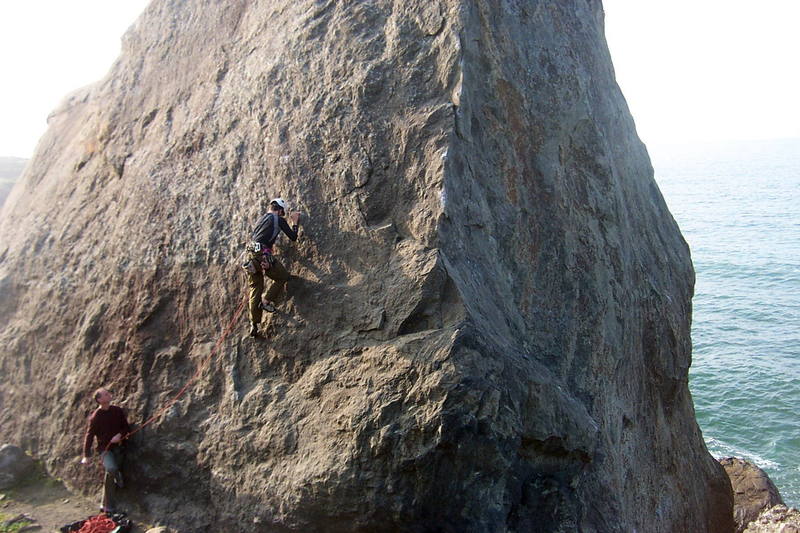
<point x="753" y="491"/>
<point x="15" y="464"/>
<point x="489" y="325"/>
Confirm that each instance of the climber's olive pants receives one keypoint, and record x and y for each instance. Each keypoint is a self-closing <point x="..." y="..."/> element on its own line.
<point x="277" y="273"/>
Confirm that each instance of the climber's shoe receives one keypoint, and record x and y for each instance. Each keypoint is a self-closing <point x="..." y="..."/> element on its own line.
<point x="268" y="307"/>
<point x="253" y="330"/>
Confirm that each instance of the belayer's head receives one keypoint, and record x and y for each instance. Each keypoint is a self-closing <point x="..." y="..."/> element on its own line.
<point x="102" y="397"/>
<point x="278" y="205"/>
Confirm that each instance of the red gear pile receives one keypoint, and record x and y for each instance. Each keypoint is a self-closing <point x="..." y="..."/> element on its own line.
<point x="98" y="524"/>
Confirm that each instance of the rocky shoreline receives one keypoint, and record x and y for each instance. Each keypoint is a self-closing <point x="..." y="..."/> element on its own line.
<point x="757" y="504"/>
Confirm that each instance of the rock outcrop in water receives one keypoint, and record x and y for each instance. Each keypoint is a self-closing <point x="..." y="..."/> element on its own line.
<point x="489" y="328"/>
<point x="753" y="491"/>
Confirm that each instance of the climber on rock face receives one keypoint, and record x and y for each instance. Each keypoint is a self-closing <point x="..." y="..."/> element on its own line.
<point x="261" y="260"/>
<point x="109" y="425"/>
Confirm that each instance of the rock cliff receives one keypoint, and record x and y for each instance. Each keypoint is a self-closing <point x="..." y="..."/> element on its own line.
<point x="489" y="325"/>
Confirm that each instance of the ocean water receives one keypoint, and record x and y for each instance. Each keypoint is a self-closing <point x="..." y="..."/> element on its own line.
<point x="738" y="207"/>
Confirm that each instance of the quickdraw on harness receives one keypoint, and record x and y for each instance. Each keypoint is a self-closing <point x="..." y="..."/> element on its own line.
<point x="260" y="257"/>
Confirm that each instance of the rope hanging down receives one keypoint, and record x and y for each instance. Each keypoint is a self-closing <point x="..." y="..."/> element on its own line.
<point x="196" y="375"/>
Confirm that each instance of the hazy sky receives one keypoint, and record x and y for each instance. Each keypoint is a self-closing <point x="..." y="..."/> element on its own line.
<point x="690" y="69"/>
<point x="708" y="69"/>
<point x="49" y="48"/>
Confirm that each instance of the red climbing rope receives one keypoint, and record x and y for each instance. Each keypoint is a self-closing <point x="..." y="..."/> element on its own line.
<point x="98" y="524"/>
<point x="196" y="375"/>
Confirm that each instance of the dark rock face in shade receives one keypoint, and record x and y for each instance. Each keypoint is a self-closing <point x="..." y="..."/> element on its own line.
<point x="489" y="325"/>
<point x="753" y="491"/>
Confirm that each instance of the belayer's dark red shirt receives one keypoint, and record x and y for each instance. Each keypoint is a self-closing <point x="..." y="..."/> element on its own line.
<point x="104" y="424"/>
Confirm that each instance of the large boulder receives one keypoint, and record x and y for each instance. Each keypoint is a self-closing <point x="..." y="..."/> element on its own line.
<point x="753" y="490"/>
<point x="489" y="325"/>
<point x="15" y="465"/>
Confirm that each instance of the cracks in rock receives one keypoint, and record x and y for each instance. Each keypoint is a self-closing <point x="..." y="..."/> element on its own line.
<point x="149" y="118"/>
<point x="357" y="187"/>
<point x="370" y="171"/>
<point x="552" y="448"/>
<point x="361" y="211"/>
<point x="221" y="73"/>
<point x="440" y="305"/>
<point x="438" y="31"/>
<point x="456" y="125"/>
<point x="236" y="378"/>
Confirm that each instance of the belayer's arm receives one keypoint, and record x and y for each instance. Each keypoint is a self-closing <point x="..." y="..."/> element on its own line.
<point x="87" y="440"/>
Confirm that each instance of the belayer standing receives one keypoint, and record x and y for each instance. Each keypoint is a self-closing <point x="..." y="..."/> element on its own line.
<point x="109" y="426"/>
<point x="261" y="260"/>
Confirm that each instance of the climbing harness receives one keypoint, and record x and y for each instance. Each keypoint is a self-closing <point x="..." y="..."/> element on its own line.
<point x="260" y="256"/>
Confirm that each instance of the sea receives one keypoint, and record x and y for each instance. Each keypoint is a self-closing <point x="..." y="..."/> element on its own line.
<point x="738" y="207"/>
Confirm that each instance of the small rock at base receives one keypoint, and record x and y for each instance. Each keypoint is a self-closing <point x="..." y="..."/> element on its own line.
<point x="15" y="464"/>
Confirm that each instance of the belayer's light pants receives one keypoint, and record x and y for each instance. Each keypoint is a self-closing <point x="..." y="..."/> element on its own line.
<point x="278" y="274"/>
<point x="112" y="460"/>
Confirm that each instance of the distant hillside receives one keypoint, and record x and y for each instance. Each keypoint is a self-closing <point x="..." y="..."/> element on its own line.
<point x="10" y="170"/>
